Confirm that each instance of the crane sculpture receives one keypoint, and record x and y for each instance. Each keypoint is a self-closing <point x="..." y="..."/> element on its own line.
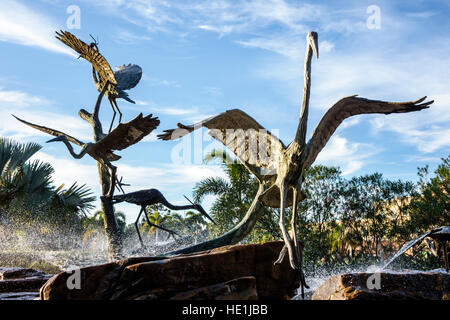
<point x="102" y="150"/>
<point x="278" y="168"/>
<point x="126" y="77"/>
<point x="150" y="197"/>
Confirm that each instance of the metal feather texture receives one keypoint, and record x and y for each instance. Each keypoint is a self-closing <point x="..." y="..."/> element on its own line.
<point x="253" y="145"/>
<point x="129" y="133"/>
<point x="89" y="53"/>
<point x="351" y="106"/>
<point x="123" y="136"/>
<point x="128" y="76"/>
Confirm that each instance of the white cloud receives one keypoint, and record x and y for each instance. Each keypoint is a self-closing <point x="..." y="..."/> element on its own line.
<point x="161" y="82"/>
<point x="16" y="98"/>
<point x="68" y="170"/>
<point x="348" y="156"/>
<point x="22" y="25"/>
<point x="422" y="14"/>
<point x="71" y="125"/>
<point x="127" y="37"/>
<point x="350" y="122"/>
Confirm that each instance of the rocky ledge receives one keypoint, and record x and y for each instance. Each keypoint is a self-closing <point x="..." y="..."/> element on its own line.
<point x="417" y="285"/>
<point x="20" y="283"/>
<point x="232" y="272"/>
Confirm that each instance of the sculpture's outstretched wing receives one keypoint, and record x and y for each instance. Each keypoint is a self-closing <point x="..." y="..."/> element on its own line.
<point x="111" y="156"/>
<point x="52" y="132"/>
<point x="127" y="134"/>
<point x="128" y="76"/>
<point x="351" y="106"/>
<point x="89" y="53"/>
<point x="256" y="147"/>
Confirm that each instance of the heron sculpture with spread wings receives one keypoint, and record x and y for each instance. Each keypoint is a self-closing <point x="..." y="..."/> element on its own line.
<point x="278" y="168"/>
<point x="126" y="77"/>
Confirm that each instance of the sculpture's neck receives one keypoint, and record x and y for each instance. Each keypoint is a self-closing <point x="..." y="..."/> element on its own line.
<point x="302" y="126"/>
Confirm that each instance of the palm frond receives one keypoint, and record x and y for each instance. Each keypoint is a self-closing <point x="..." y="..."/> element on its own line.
<point x="210" y="186"/>
<point x="14" y="154"/>
<point x="76" y="196"/>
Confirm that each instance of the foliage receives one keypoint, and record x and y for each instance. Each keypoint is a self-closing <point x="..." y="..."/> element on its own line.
<point x="234" y="197"/>
<point x="432" y="208"/>
<point x="343" y="222"/>
<point x="30" y="204"/>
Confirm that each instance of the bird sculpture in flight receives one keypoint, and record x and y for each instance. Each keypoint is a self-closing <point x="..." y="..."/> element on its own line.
<point x="150" y="197"/>
<point x="126" y="77"/>
<point x="277" y="167"/>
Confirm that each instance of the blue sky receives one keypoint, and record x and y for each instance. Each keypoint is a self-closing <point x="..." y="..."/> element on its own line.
<point x="202" y="57"/>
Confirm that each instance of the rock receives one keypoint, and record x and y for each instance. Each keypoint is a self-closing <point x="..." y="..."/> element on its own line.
<point x="205" y="274"/>
<point x="19" y="296"/>
<point x="96" y="281"/>
<point x="238" y="289"/>
<point x="21" y="283"/>
<point x="17" y="273"/>
<point x="418" y="285"/>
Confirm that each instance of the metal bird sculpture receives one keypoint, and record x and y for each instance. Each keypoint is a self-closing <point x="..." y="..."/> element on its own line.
<point x="150" y="197"/>
<point x="279" y="168"/>
<point x="123" y="136"/>
<point x="126" y="77"/>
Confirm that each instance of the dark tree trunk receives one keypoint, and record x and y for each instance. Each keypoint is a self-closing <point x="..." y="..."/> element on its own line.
<point x="112" y="229"/>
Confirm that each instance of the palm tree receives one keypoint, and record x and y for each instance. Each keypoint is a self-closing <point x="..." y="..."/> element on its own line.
<point x="20" y="178"/>
<point x="234" y="197"/>
<point x="97" y="219"/>
<point x="30" y="182"/>
<point x="155" y="218"/>
<point x="235" y="194"/>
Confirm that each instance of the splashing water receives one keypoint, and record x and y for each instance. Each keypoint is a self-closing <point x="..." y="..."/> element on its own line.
<point x="55" y="251"/>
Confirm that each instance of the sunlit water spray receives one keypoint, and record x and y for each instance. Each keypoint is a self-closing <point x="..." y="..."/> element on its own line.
<point x="53" y="252"/>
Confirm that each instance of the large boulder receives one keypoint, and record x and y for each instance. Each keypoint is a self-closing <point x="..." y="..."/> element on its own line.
<point x="231" y="272"/>
<point x="418" y="285"/>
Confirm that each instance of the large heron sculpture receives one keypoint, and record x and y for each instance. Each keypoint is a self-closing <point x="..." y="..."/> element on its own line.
<point x="277" y="167"/>
<point x="150" y="197"/>
<point x="126" y="76"/>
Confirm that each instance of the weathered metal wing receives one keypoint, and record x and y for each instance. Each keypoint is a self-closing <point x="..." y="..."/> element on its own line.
<point x="351" y="106"/>
<point x="108" y="154"/>
<point x="127" y="134"/>
<point x="253" y="145"/>
<point x="52" y="132"/>
<point x="87" y="52"/>
<point x="123" y="136"/>
<point x="128" y="76"/>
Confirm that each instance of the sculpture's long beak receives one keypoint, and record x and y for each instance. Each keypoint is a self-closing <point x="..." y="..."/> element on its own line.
<point x="200" y="209"/>
<point x="203" y="212"/>
<point x="314" y="43"/>
<point x="58" y="138"/>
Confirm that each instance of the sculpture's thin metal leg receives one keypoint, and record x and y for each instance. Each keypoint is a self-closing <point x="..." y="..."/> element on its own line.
<point x="156" y="226"/>
<point x="137" y="227"/>
<point x="118" y="110"/>
<point x="294" y="225"/>
<point x="298" y="252"/>
<point x="281" y="256"/>
<point x="114" y="115"/>
<point x="282" y="224"/>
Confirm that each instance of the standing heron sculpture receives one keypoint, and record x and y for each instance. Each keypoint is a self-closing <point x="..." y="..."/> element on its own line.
<point x="150" y="197"/>
<point x="126" y="76"/>
<point x="278" y="168"/>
